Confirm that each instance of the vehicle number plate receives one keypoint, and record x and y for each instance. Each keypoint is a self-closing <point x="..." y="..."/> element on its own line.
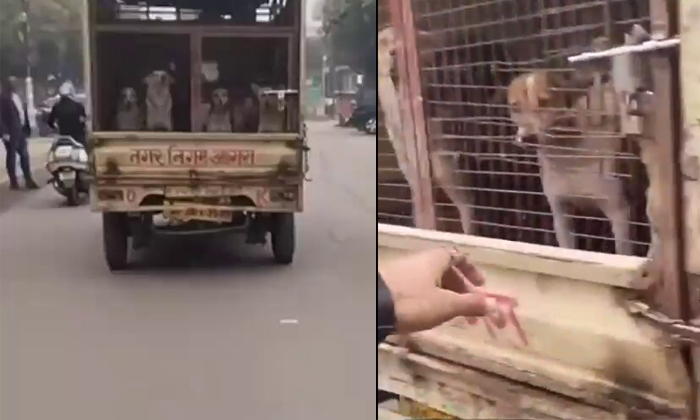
<point x="66" y="176"/>
<point x="204" y="214"/>
<point x="63" y="152"/>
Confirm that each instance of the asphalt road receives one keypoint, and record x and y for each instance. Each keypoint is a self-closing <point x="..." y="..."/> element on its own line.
<point x="197" y="329"/>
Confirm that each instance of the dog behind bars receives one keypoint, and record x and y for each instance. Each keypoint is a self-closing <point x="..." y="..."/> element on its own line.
<point x="219" y="117"/>
<point x="578" y="147"/>
<point x="129" y="117"/>
<point x="159" y="102"/>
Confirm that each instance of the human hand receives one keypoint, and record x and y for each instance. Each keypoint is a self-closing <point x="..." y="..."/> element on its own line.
<point x="5" y="137"/>
<point x="433" y="287"/>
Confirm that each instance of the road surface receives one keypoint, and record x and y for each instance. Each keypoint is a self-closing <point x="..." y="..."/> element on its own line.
<point x="197" y="330"/>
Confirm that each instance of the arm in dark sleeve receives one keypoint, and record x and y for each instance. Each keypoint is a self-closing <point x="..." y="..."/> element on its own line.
<point x="51" y="122"/>
<point x="385" y="311"/>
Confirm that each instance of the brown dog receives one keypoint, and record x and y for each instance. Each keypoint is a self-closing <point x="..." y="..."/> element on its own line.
<point x="578" y="140"/>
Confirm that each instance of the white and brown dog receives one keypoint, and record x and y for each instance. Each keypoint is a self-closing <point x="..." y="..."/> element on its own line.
<point x="219" y="116"/>
<point x="129" y="117"/>
<point x="159" y="102"/>
<point x="578" y="140"/>
<point x="272" y="109"/>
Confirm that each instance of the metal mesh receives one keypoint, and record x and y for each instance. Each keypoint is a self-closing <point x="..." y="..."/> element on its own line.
<point x="476" y="49"/>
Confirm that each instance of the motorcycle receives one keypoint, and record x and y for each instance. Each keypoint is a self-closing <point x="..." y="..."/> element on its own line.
<point x="67" y="162"/>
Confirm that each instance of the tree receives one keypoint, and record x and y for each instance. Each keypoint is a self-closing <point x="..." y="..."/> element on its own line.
<point x="55" y="38"/>
<point x="350" y="28"/>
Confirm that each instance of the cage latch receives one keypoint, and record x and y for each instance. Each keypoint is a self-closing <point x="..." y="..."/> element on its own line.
<point x="629" y="72"/>
<point x="678" y="330"/>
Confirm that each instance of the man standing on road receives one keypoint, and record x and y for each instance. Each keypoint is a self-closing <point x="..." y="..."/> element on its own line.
<point x="69" y="114"/>
<point x="14" y="128"/>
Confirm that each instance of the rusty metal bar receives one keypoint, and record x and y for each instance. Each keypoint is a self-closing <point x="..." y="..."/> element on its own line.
<point x="412" y="111"/>
<point x="428" y="219"/>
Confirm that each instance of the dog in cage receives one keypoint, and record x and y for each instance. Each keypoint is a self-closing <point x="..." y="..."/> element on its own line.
<point x="272" y="108"/>
<point x="245" y="115"/>
<point x="219" y="116"/>
<point x="159" y="101"/>
<point x="579" y="143"/>
<point x="129" y="115"/>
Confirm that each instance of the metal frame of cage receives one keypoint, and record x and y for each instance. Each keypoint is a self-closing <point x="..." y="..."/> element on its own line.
<point x="447" y="71"/>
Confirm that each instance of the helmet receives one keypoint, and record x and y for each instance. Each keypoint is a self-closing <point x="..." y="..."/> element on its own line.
<point x="66" y="89"/>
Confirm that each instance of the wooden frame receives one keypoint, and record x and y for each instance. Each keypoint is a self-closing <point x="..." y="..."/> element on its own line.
<point x="568" y="299"/>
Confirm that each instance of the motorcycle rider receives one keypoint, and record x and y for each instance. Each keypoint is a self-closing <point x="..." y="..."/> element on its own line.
<point x="69" y="114"/>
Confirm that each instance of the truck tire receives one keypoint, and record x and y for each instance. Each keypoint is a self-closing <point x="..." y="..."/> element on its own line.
<point x="115" y="235"/>
<point x="283" y="235"/>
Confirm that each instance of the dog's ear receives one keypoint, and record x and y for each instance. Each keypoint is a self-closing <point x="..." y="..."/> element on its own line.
<point x="147" y="79"/>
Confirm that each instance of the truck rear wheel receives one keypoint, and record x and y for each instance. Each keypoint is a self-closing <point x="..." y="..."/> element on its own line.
<point x="115" y="235"/>
<point x="283" y="234"/>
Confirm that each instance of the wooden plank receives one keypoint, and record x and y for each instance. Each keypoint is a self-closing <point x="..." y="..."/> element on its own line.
<point x="208" y="30"/>
<point x="468" y="393"/>
<point x="605" y="269"/>
<point x="145" y="136"/>
<point x="581" y="341"/>
<point x="384" y="414"/>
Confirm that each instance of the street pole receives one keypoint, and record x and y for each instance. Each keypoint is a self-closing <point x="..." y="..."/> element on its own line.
<point x="324" y="70"/>
<point x="29" y="84"/>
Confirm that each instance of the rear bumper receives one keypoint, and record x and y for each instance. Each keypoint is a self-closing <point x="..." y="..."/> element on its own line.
<point x="156" y="198"/>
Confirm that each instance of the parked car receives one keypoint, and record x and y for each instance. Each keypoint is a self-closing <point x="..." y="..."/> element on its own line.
<point x="44" y="109"/>
<point x="362" y="116"/>
<point x="371" y="126"/>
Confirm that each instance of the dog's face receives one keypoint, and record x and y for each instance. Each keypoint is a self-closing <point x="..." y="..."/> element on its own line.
<point x="533" y="99"/>
<point x="268" y="102"/>
<point x="159" y="80"/>
<point x="128" y="97"/>
<point x="219" y="98"/>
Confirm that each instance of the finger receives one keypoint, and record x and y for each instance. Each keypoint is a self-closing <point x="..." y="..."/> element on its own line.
<point x="467" y="305"/>
<point x="454" y="281"/>
<point x="469" y="271"/>
<point x="436" y="261"/>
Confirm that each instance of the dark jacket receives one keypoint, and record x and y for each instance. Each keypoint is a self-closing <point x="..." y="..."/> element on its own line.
<point x="385" y="310"/>
<point x="70" y="117"/>
<point x="10" y="121"/>
<point x="385" y="324"/>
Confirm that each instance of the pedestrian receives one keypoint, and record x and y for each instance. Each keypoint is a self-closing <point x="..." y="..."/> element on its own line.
<point x="69" y="114"/>
<point x="15" y="130"/>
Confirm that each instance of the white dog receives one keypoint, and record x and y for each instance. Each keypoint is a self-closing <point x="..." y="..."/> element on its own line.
<point x="129" y="117"/>
<point x="219" y="117"/>
<point x="272" y="108"/>
<point x="577" y="149"/>
<point x="159" y="102"/>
